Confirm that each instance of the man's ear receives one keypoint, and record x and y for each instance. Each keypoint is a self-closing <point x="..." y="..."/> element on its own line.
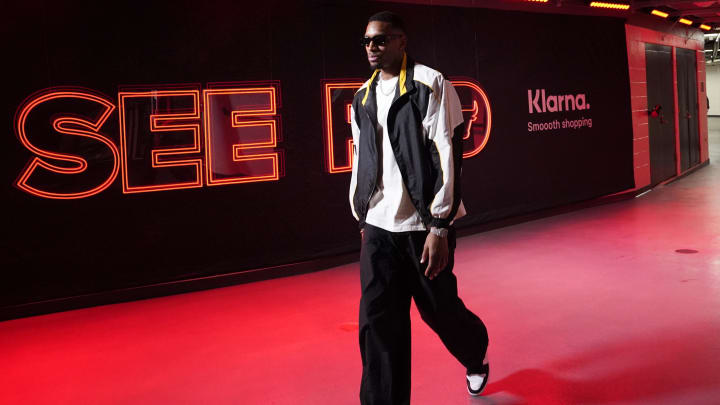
<point x="403" y="43"/>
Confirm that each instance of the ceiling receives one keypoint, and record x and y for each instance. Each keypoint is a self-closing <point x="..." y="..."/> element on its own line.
<point x="699" y="12"/>
<point x="706" y="12"/>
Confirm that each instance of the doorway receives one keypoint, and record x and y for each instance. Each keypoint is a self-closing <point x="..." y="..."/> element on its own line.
<point x="661" y="125"/>
<point x="687" y="108"/>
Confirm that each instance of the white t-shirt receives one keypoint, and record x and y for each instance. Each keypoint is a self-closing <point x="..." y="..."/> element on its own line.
<point x="390" y="208"/>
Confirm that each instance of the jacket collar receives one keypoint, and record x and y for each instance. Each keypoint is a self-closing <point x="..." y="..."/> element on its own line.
<point x="405" y="85"/>
<point x="405" y="81"/>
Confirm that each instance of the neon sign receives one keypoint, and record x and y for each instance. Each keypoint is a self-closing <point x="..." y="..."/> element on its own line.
<point x="230" y="151"/>
<point x="337" y="101"/>
<point x="342" y="92"/>
<point x="186" y="137"/>
<point x="74" y="166"/>
<point x="161" y="157"/>
<point x="160" y="144"/>
<point x="478" y="115"/>
<point x="253" y="126"/>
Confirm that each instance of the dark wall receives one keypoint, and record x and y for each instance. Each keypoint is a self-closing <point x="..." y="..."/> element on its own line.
<point x="57" y="248"/>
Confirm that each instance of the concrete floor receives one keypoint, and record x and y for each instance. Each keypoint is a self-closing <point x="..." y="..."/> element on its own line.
<point x="591" y="307"/>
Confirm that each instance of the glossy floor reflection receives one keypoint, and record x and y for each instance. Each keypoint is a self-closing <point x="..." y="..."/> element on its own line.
<point x="590" y="307"/>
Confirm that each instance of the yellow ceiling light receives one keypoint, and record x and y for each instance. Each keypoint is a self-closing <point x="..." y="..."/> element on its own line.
<point x="659" y="13"/>
<point x="602" y="4"/>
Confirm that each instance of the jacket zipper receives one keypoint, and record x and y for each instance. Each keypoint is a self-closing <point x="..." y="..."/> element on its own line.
<point x="375" y="132"/>
<point x="367" y="203"/>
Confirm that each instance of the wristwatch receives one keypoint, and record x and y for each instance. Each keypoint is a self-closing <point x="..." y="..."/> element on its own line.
<point x="441" y="232"/>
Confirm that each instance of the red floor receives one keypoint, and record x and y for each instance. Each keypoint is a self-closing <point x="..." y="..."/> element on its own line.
<point x="593" y="307"/>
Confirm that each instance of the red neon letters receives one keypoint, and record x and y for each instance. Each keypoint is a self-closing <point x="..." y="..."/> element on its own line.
<point x="186" y="137"/>
<point x="341" y="92"/>
<point x="45" y="165"/>
<point x="161" y="146"/>
<point x="153" y="108"/>
<point x="233" y="144"/>
<point x="337" y="98"/>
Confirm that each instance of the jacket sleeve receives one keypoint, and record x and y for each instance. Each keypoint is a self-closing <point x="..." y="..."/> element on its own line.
<point x="444" y="125"/>
<point x="355" y="148"/>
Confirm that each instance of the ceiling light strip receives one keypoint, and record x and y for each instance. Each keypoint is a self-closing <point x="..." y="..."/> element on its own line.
<point x="617" y="6"/>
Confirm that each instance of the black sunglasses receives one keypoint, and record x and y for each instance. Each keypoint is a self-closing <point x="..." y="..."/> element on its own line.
<point x="379" y="40"/>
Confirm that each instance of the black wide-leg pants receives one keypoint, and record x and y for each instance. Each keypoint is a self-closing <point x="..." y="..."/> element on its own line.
<point x="390" y="274"/>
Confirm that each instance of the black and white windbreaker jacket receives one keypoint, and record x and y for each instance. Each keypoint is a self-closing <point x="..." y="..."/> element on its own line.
<point x="425" y="128"/>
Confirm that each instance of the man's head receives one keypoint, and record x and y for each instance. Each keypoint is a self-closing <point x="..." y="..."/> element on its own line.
<point x="385" y="40"/>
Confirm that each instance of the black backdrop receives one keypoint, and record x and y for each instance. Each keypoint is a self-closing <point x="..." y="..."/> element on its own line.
<point x="57" y="248"/>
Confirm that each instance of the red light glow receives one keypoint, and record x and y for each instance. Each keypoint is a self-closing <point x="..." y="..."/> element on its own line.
<point x="164" y="123"/>
<point x="241" y="131"/>
<point x="241" y="166"/>
<point x="478" y="94"/>
<point x="328" y="136"/>
<point x="70" y="126"/>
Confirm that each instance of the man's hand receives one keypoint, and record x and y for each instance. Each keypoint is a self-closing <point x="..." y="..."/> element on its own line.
<point x="435" y="253"/>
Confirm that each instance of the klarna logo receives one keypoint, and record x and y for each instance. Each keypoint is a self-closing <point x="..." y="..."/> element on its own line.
<point x="538" y="102"/>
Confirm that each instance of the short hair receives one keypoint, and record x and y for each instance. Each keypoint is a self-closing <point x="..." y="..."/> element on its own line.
<point x="389" y="17"/>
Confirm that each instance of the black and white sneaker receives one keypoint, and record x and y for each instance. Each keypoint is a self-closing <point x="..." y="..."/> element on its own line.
<point x="476" y="382"/>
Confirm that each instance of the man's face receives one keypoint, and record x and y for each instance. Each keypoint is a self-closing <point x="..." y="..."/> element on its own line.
<point x="388" y="54"/>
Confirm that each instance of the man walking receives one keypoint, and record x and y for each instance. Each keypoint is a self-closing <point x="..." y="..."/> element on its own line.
<point x="407" y="127"/>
